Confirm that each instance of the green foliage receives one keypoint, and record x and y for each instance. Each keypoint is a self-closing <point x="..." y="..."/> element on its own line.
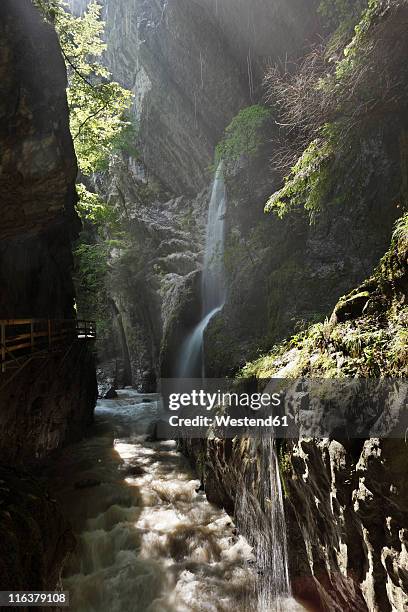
<point x="100" y="127"/>
<point x="97" y="104"/>
<point x="354" y="50"/>
<point x="243" y="136"/>
<point x="126" y="139"/>
<point x="308" y="183"/>
<point x="93" y="209"/>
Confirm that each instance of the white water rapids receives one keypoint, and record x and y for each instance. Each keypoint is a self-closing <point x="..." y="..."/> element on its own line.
<point x="148" y="539"/>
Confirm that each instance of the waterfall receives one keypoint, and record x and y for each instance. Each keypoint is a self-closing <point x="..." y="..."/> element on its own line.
<point x="260" y="517"/>
<point x="191" y="363"/>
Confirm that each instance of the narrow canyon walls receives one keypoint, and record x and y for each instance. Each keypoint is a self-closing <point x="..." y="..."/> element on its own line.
<point x="38" y="169"/>
<point x="47" y="401"/>
<point x="39" y="222"/>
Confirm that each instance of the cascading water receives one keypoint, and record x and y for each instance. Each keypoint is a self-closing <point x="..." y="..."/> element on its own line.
<point x="260" y="517"/>
<point x="191" y="363"/>
<point x="213" y="274"/>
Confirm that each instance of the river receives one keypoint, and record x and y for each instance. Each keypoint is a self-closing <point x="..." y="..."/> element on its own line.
<point x="148" y="539"/>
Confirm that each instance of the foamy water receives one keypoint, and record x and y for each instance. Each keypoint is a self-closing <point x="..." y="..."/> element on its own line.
<point x="148" y="539"/>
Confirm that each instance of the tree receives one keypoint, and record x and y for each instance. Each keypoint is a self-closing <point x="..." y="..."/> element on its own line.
<point x="97" y="105"/>
<point x="99" y="124"/>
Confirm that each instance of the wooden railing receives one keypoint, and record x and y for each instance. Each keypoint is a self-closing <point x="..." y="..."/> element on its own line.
<point x="22" y="337"/>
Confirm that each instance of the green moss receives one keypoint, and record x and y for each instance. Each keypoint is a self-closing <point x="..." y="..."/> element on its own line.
<point x="353" y="52"/>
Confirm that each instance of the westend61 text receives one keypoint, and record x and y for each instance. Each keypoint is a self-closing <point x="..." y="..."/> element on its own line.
<point x="228" y="421"/>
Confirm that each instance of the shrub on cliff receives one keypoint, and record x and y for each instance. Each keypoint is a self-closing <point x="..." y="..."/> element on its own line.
<point x="243" y="137"/>
<point x="334" y="103"/>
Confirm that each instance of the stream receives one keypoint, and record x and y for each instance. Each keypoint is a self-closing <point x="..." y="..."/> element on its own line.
<point x="148" y="539"/>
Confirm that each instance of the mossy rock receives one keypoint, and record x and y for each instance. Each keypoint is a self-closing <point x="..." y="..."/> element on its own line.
<point x="350" y="307"/>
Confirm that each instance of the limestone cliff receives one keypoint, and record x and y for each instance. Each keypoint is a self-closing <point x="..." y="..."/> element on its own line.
<point x="345" y="503"/>
<point x="277" y="272"/>
<point x="345" y="500"/>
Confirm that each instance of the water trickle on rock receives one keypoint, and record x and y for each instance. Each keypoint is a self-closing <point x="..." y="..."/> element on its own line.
<point x="260" y="516"/>
<point x="191" y="363"/>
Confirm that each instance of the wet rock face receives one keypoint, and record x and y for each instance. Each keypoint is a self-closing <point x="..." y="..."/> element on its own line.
<point x="34" y="537"/>
<point x="280" y="272"/>
<point x="349" y="523"/>
<point x="37" y="168"/>
<point x="169" y="54"/>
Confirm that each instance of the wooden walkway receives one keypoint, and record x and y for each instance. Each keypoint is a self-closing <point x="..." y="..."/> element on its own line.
<point x="21" y="338"/>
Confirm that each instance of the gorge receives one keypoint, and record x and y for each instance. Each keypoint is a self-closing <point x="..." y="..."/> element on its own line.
<point x="222" y="186"/>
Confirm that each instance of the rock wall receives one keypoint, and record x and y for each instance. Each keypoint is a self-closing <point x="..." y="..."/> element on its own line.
<point x="285" y="274"/>
<point x="154" y="283"/>
<point x="45" y="400"/>
<point x="346" y="512"/>
<point x="191" y="65"/>
<point x="277" y="272"/>
<point x="38" y="169"/>
<point x="349" y="533"/>
<point x="346" y="504"/>
<point x="37" y="182"/>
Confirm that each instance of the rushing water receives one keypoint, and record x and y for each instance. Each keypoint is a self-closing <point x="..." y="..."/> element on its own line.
<point x="213" y="283"/>
<point x="148" y="540"/>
